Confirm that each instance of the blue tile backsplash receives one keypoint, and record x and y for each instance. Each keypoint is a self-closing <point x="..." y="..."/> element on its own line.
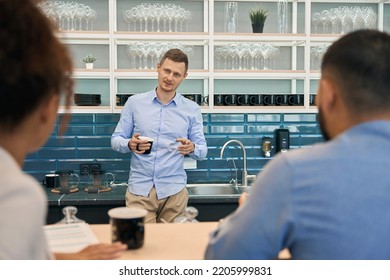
<point x="88" y="137"/>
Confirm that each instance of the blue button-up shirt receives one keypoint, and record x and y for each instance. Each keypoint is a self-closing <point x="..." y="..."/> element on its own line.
<point x="163" y="167"/>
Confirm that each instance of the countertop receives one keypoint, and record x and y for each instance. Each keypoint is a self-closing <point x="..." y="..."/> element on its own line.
<point x="117" y="197"/>
<point x="166" y="241"/>
<point x="170" y="241"/>
<point x="93" y="207"/>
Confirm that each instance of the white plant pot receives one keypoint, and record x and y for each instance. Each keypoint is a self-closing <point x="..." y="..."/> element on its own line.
<point x="89" y="65"/>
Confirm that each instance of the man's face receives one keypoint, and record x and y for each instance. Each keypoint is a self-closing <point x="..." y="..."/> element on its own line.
<point x="170" y="75"/>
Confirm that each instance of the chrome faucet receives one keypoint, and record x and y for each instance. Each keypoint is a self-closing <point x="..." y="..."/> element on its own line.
<point x="244" y="172"/>
<point x="233" y="180"/>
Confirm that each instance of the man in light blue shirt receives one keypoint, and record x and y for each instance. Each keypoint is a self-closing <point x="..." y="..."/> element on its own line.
<point x="157" y="177"/>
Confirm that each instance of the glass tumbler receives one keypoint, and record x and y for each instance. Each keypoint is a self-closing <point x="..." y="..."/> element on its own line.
<point x="231" y="17"/>
<point x="282" y="16"/>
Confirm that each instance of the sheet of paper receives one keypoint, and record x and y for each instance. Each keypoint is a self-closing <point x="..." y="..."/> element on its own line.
<point x="69" y="238"/>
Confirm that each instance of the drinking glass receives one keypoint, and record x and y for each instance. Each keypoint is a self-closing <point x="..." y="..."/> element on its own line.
<point x="231" y="17"/>
<point x="369" y="17"/>
<point x="316" y="20"/>
<point x="357" y="18"/>
<point x="187" y="19"/>
<point x="266" y="51"/>
<point x="335" y="20"/>
<point x="158" y="10"/>
<point x="325" y="20"/>
<point x="282" y="16"/>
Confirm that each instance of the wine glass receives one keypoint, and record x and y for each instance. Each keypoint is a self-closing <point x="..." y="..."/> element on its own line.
<point x="357" y="18"/>
<point x="80" y="14"/>
<point x="335" y="20"/>
<point x="325" y="20"/>
<point x="170" y="10"/>
<point x="145" y="12"/>
<point x="369" y="17"/>
<point x="266" y="52"/>
<point x="316" y="20"/>
<point x="187" y="19"/>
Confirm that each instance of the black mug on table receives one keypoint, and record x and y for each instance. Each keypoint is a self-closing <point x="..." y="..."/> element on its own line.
<point x="51" y="180"/>
<point x="127" y="226"/>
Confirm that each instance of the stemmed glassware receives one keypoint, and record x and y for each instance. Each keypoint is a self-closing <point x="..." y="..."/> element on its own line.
<point x="357" y="18"/>
<point x="187" y="19"/>
<point x="158" y="12"/>
<point x="149" y="17"/>
<point x="369" y="17"/>
<point x="69" y="15"/>
<point x="344" y="19"/>
<point x="266" y="51"/>
<point x="143" y="50"/>
<point x="247" y="55"/>
<point x="145" y="12"/>
<point x="316" y="54"/>
<point x="334" y="20"/>
<point x="316" y="20"/>
<point x="325" y="20"/>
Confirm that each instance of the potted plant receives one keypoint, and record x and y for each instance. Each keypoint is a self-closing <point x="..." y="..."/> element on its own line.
<point x="258" y="16"/>
<point x="89" y="60"/>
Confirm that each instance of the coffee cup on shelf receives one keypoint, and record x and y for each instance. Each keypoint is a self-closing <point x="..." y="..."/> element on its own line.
<point x="281" y="100"/>
<point x="205" y="100"/>
<point x="268" y="99"/>
<point x="197" y="98"/>
<point x="256" y="100"/>
<point x="243" y="99"/>
<point x="218" y="100"/>
<point x="230" y="99"/>
<point x="122" y="98"/>
<point x="295" y="99"/>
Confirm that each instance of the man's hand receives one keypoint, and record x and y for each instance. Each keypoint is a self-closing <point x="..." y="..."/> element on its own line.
<point x="186" y="146"/>
<point x="138" y="146"/>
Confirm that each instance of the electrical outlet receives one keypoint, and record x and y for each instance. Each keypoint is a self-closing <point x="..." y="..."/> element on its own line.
<point x="96" y="167"/>
<point x="87" y="168"/>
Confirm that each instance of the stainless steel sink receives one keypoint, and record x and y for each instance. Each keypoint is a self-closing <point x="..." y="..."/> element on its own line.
<point x="214" y="189"/>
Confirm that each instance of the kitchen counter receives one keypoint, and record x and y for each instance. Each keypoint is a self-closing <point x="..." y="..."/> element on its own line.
<point x="190" y="241"/>
<point x="93" y="207"/>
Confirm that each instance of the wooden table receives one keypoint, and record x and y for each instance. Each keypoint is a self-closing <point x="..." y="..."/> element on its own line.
<point x="166" y="241"/>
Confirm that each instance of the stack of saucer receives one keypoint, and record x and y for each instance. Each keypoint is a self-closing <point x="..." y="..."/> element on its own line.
<point x="87" y="99"/>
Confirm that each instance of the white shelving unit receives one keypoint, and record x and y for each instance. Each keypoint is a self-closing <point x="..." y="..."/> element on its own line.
<point x="293" y="74"/>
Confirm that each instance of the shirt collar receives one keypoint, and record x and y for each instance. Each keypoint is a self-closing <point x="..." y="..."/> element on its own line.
<point x="174" y="101"/>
